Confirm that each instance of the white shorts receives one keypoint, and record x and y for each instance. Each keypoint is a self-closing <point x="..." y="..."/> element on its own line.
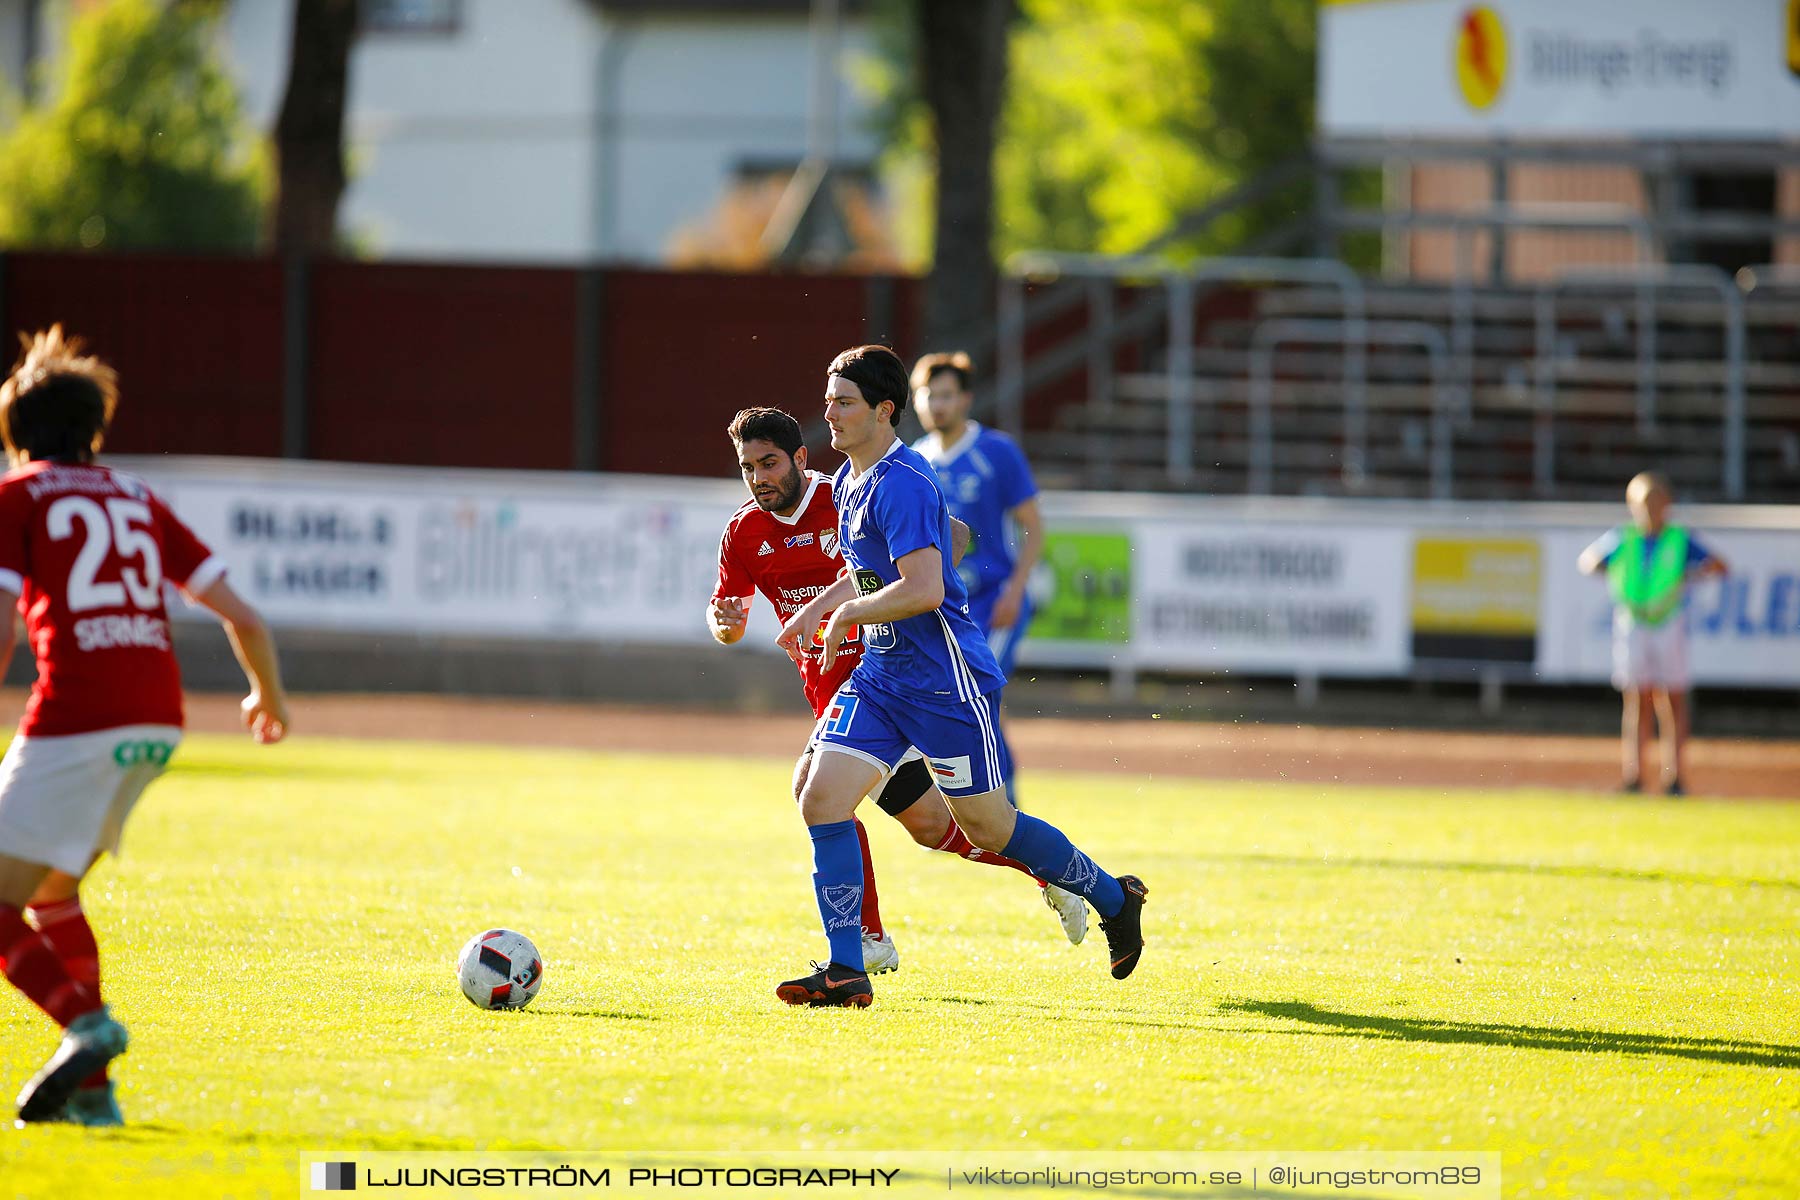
<point x="64" y="798"/>
<point x="1652" y="656"/>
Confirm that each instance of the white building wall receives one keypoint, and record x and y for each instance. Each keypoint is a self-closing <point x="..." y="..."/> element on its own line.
<point x="700" y="97"/>
<point x="540" y="130"/>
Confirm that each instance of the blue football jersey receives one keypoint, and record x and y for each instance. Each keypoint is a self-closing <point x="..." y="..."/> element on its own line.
<point x="983" y="477"/>
<point x="893" y="509"/>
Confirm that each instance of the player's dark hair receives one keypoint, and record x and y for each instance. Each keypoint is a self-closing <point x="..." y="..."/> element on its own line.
<point x="932" y="365"/>
<point x="58" y="403"/>
<point x="766" y="425"/>
<point x="878" y="371"/>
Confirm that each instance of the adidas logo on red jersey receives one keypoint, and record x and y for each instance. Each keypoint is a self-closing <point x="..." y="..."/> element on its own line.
<point x="766" y="549"/>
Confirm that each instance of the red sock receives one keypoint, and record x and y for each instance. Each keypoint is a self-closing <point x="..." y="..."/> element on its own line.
<point x="957" y="842"/>
<point x="871" y="911"/>
<point x="65" y="926"/>
<point x="31" y="965"/>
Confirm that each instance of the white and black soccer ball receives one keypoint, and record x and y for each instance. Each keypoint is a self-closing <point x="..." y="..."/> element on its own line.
<point x="500" y="969"/>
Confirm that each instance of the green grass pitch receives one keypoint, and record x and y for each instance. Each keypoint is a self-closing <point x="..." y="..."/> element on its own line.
<point x="1607" y="992"/>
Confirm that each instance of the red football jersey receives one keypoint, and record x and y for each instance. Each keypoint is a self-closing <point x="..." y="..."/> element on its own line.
<point x="790" y="560"/>
<point x="86" y="549"/>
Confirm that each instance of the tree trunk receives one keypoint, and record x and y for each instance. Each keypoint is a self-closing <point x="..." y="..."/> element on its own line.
<point x="309" y="136"/>
<point x="962" y="49"/>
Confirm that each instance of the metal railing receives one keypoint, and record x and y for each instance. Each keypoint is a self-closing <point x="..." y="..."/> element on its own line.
<point x="1645" y="280"/>
<point x="1272" y="333"/>
<point x="1182" y="285"/>
<point x="1176" y="291"/>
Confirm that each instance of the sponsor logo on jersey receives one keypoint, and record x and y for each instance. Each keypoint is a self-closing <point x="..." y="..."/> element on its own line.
<point x="839" y="715"/>
<point x="798" y="540"/>
<point x="828" y="543"/>
<point x="953" y="772"/>
<point x="766" y="549"/>
<point x="130" y="754"/>
<point x="847" y="646"/>
<point x="867" y="582"/>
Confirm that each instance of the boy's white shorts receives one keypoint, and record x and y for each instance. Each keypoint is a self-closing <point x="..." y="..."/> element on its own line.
<point x="64" y="798"/>
<point x="1650" y="657"/>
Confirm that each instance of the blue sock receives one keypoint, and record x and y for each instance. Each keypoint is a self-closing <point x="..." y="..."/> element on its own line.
<point x="1042" y="847"/>
<point x="838" y="883"/>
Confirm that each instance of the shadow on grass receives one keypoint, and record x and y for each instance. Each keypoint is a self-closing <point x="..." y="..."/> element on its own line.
<point x="1525" y="1037"/>
<point x="1562" y="870"/>
<point x="155" y="1133"/>
<point x="602" y="1013"/>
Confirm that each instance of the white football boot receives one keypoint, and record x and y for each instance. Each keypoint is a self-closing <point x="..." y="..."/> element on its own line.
<point x="1070" y="909"/>
<point x="880" y="956"/>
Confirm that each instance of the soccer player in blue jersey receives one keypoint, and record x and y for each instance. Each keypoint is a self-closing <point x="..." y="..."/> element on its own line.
<point x="988" y="485"/>
<point x="927" y="679"/>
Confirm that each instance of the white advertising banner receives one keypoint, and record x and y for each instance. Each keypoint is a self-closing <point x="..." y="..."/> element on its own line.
<point x="1279" y="598"/>
<point x="1290" y="586"/>
<point x="457" y="553"/>
<point x="1560" y="68"/>
<point x="1743" y="629"/>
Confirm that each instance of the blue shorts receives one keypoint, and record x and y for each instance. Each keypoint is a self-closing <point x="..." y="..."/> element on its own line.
<point x="1003" y="642"/>
<point x="957" y="737"/>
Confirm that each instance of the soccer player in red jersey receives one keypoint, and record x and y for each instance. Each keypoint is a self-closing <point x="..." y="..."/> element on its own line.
<point x="84" y="552"/>
<point x="783" y="543"/>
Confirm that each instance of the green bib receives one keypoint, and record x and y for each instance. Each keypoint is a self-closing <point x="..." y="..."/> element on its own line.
<point x="1649" y="591"/>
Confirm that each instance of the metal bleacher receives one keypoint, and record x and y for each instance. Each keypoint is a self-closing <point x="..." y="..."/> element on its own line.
<point x="1418" y="390"/>
<point x="1252" y="374"/>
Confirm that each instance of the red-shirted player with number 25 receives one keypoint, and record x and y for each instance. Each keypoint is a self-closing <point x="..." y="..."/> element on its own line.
<point x="84" y="551"/>
<point x="783" y="543"/>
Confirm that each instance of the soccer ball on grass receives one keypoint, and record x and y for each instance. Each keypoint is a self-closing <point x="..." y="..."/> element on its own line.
<point x="500" y="969"/>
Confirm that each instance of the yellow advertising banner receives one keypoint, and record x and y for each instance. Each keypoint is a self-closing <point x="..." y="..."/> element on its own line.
<point x="1475" y="585"/>
<point x="1475" y="599"/>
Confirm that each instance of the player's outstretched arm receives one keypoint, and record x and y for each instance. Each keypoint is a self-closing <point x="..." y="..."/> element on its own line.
<point x="1030" y="523"/>
<point x="919" y="589"/>
<point x="265" y="708"/>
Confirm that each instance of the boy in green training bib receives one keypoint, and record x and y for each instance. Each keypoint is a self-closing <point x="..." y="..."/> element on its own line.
<point x="1648" y="564"/>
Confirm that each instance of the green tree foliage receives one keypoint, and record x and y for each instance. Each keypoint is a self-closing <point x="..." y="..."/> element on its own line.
<point x="1123" y="116"/>
<point x="140" y="144"/>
